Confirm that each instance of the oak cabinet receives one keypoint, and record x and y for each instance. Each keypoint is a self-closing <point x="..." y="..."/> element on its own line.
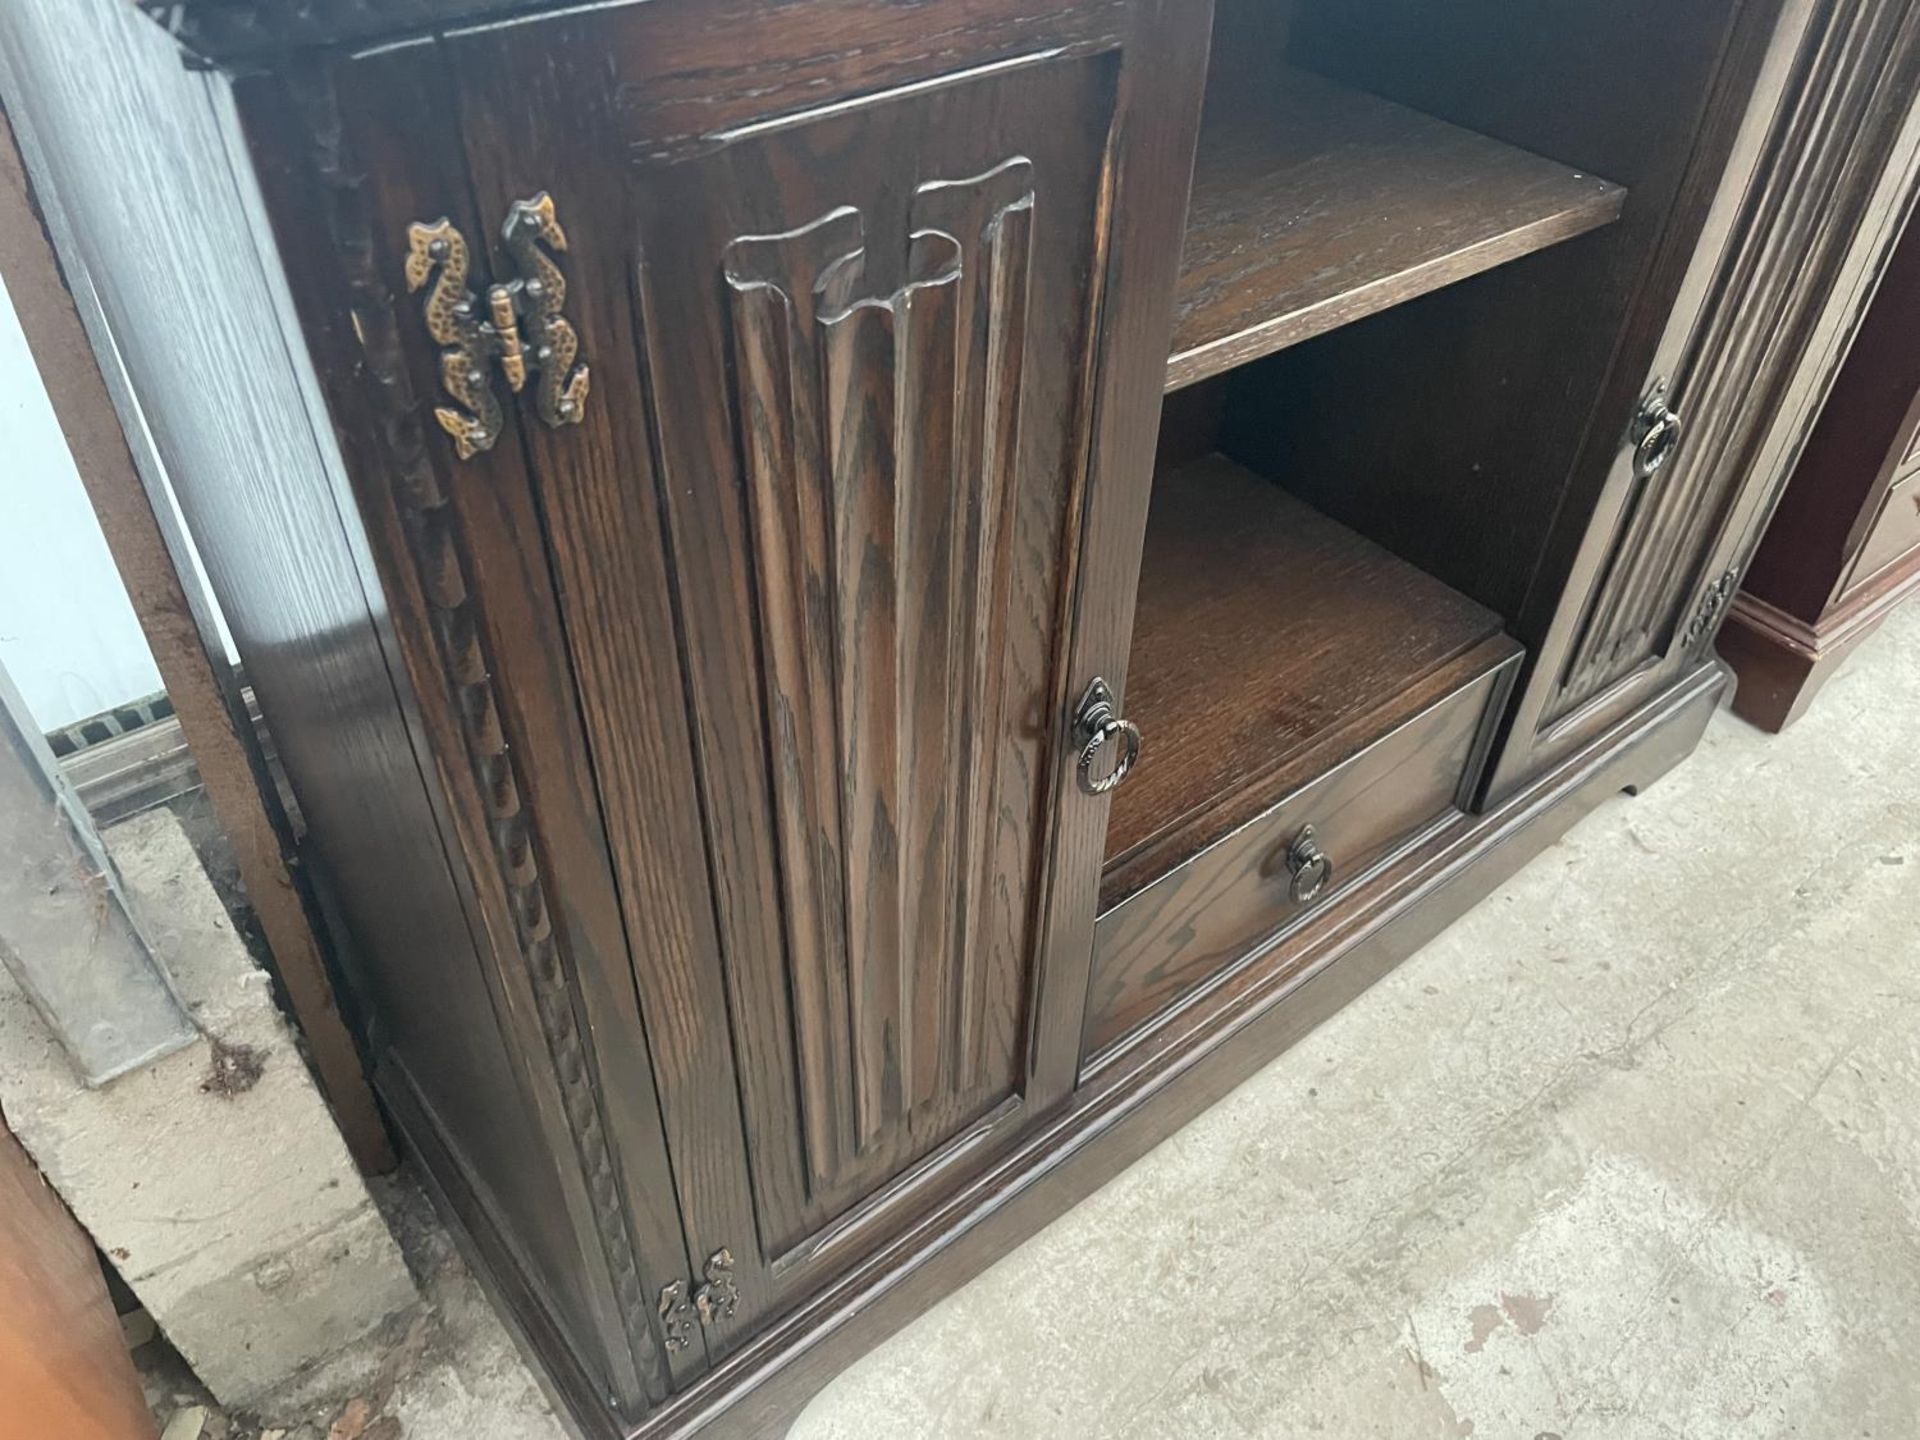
<point x="954" y="575"/>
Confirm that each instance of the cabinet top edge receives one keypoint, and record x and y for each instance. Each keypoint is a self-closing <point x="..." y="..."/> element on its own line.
<point x="254" y="35"/>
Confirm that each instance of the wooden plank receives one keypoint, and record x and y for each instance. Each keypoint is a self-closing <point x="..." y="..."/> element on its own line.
<point x="1315" y="205"/>
<point x="233" y="775"/>
<point x="64" y="1367"/>
<point x="1262" y="626"/>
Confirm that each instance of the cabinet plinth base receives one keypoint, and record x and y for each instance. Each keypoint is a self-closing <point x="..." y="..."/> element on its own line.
<point x="1782" y="662"/>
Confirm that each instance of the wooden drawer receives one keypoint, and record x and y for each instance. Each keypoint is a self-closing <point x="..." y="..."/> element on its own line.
<point x="1894" y="533"/>
<point x="1911" y="455"/>
<point x="1200" y="919"/>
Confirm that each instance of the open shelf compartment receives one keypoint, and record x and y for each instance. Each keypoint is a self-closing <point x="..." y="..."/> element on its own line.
<point x="1270" y="643"/>
<point x="1315" y="204"/>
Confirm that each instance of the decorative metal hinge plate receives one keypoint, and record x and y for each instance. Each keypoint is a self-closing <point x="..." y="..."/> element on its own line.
<point x="1706" y="616"/>
<point x="676" y="1317"/>
<point x="712" y="1302"/>
<point x="719" y="1297"/>
<point x="520" y="326"/>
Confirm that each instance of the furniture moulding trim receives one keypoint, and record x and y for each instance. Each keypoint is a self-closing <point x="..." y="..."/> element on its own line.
<point x="235" y="33"/>
<point x="1843" y="625"/>
<point x="497" y="797"/>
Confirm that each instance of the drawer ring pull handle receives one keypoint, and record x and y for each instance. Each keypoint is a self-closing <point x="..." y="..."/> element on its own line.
<point x="1309" y="865"/>
<point x="1097" y="724"/>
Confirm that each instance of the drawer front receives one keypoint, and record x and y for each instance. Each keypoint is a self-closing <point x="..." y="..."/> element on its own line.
<point x="1894" y="533"/>
<point x="1199" y="920"/>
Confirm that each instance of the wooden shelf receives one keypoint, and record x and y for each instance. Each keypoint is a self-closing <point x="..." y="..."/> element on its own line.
<point x="1315" y="205"/>
<point x="1270" y="642"/>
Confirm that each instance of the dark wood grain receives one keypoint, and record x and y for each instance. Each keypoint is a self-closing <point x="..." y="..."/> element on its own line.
<point x="1315" y="204"/>
<point x="706" y="70"/>
<point x="780" y="646"/>
<point x="1802" y="202"/>
<point x="860" y="737"/>
<point x="593" y="486"/>
<point x="1149" y="173"/>
<point x="477" y="696"/>
<point x="1261" y="624"/>
<point x="1450" y="429"/>
<point x="874" y="323"/>
<point x="1195" y="922"/>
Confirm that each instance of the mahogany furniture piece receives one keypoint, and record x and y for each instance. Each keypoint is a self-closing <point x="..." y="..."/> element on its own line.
<point x="1843" y="548"/>
<point x="64" y="1366"/>
<point x="912" y="590"/>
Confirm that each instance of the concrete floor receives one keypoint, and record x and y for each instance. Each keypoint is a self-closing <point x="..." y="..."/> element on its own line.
<point x="1631" y="1151"/>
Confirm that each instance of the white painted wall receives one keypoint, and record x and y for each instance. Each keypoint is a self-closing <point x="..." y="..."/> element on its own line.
<point x="68" y="635"/>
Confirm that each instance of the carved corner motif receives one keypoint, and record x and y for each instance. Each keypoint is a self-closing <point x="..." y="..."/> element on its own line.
<point x="1713" y="604"/>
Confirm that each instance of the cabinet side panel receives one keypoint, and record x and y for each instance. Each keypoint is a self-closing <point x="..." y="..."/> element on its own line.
<point x="192" y="300"/>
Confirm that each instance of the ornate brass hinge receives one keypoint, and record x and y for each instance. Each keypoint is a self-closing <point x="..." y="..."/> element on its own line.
<point x="1712" y="604"/>
<point x="717" y="1299"/>
<point x="676" y="1317"/>
<point x="520" y="325"/>
<point x="714" y="1301"/>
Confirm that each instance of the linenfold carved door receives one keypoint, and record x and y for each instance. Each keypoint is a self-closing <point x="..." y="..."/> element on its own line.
<point x="815" y="539"/>
<point x="1745" y="355"/>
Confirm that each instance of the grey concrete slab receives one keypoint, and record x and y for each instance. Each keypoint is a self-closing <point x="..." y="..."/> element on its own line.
<point x="214" y="1178"/>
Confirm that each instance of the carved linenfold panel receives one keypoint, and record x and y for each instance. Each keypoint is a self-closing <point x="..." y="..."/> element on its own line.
<point x="1800" y="215"/>
<point x="879" y="425"/>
